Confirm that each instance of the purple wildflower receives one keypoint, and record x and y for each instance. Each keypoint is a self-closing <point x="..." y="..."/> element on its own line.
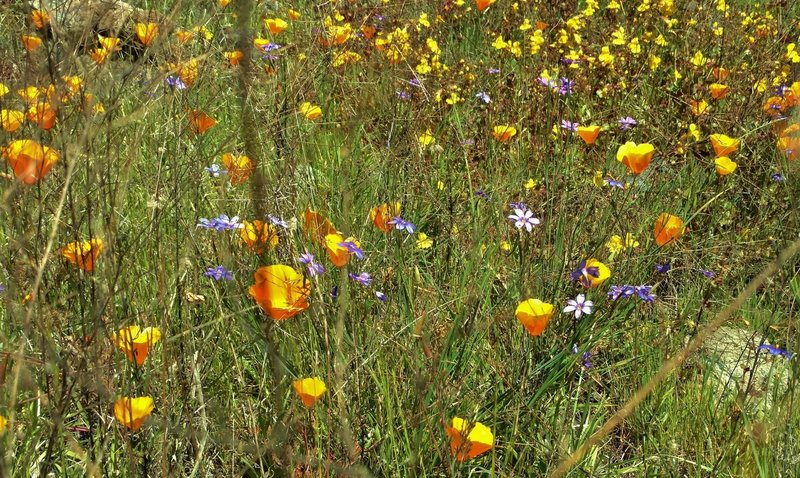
<point x="584" y="274"/>
<point x="364" y="278"/>
<point x="547" y="82"/>
<point x="708" y="273"/>
<point x="626" y="123"/>
<point x="314" y="268"/>
<point x="482" y="194"/>
<point x="569" y="125"/>
<point x="614" y="183"/>
<point x="518" y="205"/>
<point x="276" y="221"/>
<point x="381" y="296"/>
<point x="523" y="217"/>
<point x="483" y="96"/>
<point x="401" y="224"/>
<point x="175" y="82"/>
<point x="643" y="291"/>
<point x="662" y="268"/>
<point x="353" y="248"/>
<point x="335" y="292"/>
<point x="775" y="350"/>
<point x="778" y="177"/>
<point x="621" y="291"/>
<point x="220" y="223"/>
<point x="586" y="357"/>
<point x="565" y="86"/>
<point x="493" y="71"/>
<point x="219" y="273"/>
<point x="403" y="95"/>
<point x="579" y="306"/>
<point x="214" y="170"/>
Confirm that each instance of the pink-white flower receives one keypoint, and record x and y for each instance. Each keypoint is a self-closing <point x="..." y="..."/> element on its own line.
<point x="579" y="305"/>
<point x="524" y="218"/>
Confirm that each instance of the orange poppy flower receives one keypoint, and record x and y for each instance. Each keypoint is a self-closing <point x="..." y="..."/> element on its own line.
<point x="504" y="132"/>
<point x="40" y="18"/>
<point x="468" y="440"/>
<point x="718" y="90"/>
<point x="146" y="32"/>
<point x="234" y="57"/>
<point x="636" y="157"/>
<point x="43" y="115"/>
<point x="483" y="4"/>
<point x="275" y="25"/>
<point x="534" y="315"/>
<point x="200" y="122"/>
<point x="588" y="133"/>
<point x="668" y="228"/>
<point x="724" y="165"/>
<point x="136" y="342"/>
<point x="294" y="15"/>
<point x="132" y="411"/>
<point x="339" y="255"/>
<point x="258" y="236"/>
<point x="698" y="107"/>
<point x="280" y="291"/>
<point x="310" y="390"/>
<point x="83" y="254"/>
<point x="789" y="141"/>
<point x="11" y="120"/>
<point x="29" y="160"/>
<point x="30" y="94"/>
<point x="381" y="215"/>
<point x="239" y="167"/>
<point x="724" y="145"/>
<point x="31" y="42"/>
<point x="721" y="74"/>
<point x="316" y="226"/>
<point x="184" y="36"/>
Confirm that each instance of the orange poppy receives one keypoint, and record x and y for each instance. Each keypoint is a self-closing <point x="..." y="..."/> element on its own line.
<point x="132" y="411"/>
<point x="280" y="291"/>
<point x="789" y="141"/>
<point x="339" y="255"/>
<point x="200" y="122"/>
<point x="234" y="57"/>
<point x="636" y="157"/>
<point x="588" y="133"/>
<point x="31" y="42"/>
<point x="40" y="18"/>
<point x="668" y="229"/>
<point x="316" y="226"/>
<point x="239" y="167"/>
<point x="146" y="32"/>
<point x="309" y="390"/>
<point x="136" y="342"/>
<point x="724" y="145"/>
<point x="534" y="315"/>
<point x="718" y="90"/>
<point x="258" y="236"/>
<point x="504" y="132"/>
<point x="29" y="160"/>
<point x="483" y="4"/>
<point x="43" y="115"/>
<point x="381" y="215"/>
<point x="468" y="440"/>
<point x="83" y="254"/>
<point x="11" y="120"/>
<point x="275" y="25"/>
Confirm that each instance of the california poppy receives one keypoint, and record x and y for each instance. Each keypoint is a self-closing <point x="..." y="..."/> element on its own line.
<point x="83" y="254"/>
<point x="468" y="440"/>
<point x="281" y="291"/>
<point x="723" y="145"/>
<point x="603" y="272"/>
<point x="234" y="57"/>
<point x="146" y="32"/>
<point x="698" y="106"/>
<point x="258" y="235"/>
<point x="381" y="215"/>
<point x="426" y="139"/>
<point x="588" y="133"/>
<point x="275" y="25"/>
<point x="310" y="111"/>
<point x="724" y="165"/>
<point x="294" y="15"/>
<point x="3" y="423"/>
<point x="668" y="228"/>
<point x="503" y="133"/>
<point x="483" y="4"/>
<point x="310" y="390"/>
<point x="40" y="18"/>
<point x="43" y="115"/>
<point x="636" y="157"/>
<point x="136" y="342"/>
<point x="31" y="42"/>
<point x="29" y="160"/>
<point x="534" y="315"/>
<point x="30" y="94"/>
<point x="132" y="411"/>
<point x="239" y="167"/>
<point x="200" y="122"/>
<point x="11" y="120"/>
<point x="789" y="141"/>
<point x="316" y="226"/>
<point x="338" y="254"/>
<point x="718" y="90"/>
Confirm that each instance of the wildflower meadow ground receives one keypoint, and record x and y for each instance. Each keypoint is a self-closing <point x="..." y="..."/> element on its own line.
<point x="512" y="238"/>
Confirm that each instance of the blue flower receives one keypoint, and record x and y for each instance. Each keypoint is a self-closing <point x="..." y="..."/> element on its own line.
<point x="352" y="248"/>
<point x="220" y="223"/>
<point x="175" y="82"/>
<point x="401" y="224"/>
<point x="778" y="177"/>
<point x="314" y="268"/>
<point x="276" y="221"/>
<point x="381" y="296"/>
<point x="626" y="123"/>
<point x="586" y="357"/>
<point x="483" y="96"/>
<point x="482" y="194"/>
<point x="708" y="273"/>
<point x="775" y="350"/>
<point x="565" y="86"/>
<point x="614" y="183"/>
<point x="643" y="291"/>
<point x="219" y="273"/>
<point x="569" y="125"/>
<point x="364" y="278"/>
<point x="215" y="170"/>
<point x="621" y="291"/>
<point x="662" y="268"/>
<point x="583" y="274"/>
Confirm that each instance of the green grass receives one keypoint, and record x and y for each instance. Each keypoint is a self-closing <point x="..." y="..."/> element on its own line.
<point x="446" y="342"/>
